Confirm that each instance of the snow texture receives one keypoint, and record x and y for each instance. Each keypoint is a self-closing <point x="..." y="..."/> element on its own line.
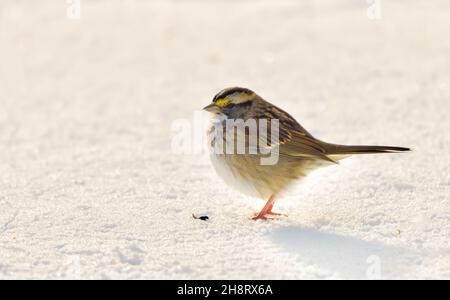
<point x="90" y="186"/>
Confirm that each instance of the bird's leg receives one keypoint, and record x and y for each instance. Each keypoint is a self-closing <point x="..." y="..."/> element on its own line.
<point x="267" y="210"/>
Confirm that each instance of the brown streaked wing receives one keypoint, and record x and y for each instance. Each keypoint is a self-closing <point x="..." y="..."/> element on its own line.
<point x="294" y="140"/>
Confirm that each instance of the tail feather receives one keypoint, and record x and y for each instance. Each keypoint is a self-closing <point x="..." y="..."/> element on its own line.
<point x="349" y="150"/>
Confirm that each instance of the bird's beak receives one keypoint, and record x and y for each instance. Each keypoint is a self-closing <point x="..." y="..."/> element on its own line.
<point x="213" y="108"/>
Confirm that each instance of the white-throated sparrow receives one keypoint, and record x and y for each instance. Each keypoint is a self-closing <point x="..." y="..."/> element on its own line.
<point x="297" y="152"/>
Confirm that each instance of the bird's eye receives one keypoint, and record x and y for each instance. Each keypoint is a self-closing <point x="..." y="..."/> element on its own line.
<point x="231" y="105"/>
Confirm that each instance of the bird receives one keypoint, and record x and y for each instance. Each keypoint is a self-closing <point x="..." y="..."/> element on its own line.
<point x="298" y="152"/>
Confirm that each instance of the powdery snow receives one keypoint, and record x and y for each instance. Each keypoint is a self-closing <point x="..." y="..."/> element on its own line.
<point x="90" y="187"/>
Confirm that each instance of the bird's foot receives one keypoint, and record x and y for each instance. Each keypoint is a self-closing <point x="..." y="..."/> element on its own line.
<point x="267" y="210"/>
<point x="265" y="216"/>
<point x="258" y="216"/>
<point x="276" y="214"/>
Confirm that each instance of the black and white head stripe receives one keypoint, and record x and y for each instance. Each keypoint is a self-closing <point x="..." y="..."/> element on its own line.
<point x="230" y="91"/>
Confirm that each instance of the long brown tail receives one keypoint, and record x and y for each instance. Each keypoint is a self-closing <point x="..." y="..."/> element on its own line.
<point x="332" y="149"/>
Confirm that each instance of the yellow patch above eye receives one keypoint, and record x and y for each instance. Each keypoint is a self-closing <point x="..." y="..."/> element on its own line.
<point x="222" y="102"/>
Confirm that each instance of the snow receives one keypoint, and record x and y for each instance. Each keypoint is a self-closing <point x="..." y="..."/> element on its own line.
<point x="90" y="187"/>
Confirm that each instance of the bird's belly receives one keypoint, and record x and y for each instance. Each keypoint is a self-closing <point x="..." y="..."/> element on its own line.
<point x="245" y="173"/>
<point x="235" y="179"/>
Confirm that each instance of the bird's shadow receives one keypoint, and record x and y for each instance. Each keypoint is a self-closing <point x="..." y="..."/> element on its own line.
<point x="343" y="256"/>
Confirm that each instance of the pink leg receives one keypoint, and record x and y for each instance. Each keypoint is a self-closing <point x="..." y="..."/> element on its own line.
<point x="267" y="210"/>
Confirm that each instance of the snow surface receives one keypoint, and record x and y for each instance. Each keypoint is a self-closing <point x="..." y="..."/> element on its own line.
<point x="89" y="184"/>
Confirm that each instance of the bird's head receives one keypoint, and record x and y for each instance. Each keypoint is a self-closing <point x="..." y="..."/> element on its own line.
<point x="233" y="102"/>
